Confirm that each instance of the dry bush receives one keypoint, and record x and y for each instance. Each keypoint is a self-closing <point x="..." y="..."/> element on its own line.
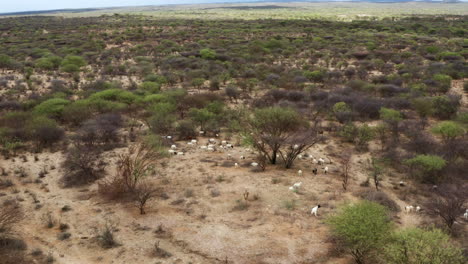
<point x="448" y="203"/>
<point x="142" y="194"/>
<point x="82" y="165"/>
<point x="105" y="235"/>
<point x="133" y="167"/>
<point x="382" y="199"/>
<point x="346" y="163"/>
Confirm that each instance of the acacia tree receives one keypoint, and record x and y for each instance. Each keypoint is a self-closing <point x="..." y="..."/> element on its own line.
<point x="274" y="128"/>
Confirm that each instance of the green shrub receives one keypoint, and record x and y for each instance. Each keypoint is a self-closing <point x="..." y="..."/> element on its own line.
<point x="155" y="98"/>
<point x="444" y="82"/>
<point x="44" y="64"/>
<point x="315" y="76"/>
<point x="155" y="143"/>
<point x="208" y="54"/>
<point x="151" y="87"/>
<point x="186" y="129"/>
<point x="444" y="107"/>
<point x="74" y="60"/>
<point x="77" y="112"/>
<point x="155" y="78"/>
<point x="427" y="167"/>
<point x="201" y="116"/>
<point x="415" y="246"/>
<point x="349" y="132"/>
<point x="364" y="135"/>
<point x="103" y="106"/>
<point x="363" y="228"/>
<point x="161" y="123"/>
<point x="115" y="95"/>
<point x="44" y="130"/>
<point x="448" y="130"/>
<point x="52" y="107"/>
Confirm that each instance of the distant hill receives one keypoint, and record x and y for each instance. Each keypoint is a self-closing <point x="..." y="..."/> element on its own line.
<point x="82" y="10"/>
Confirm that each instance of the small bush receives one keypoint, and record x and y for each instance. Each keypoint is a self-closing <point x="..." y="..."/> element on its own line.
<point x="105" y="236"/>
<point x="289" y="204"/>
<point x="241" y="206"/>
<point x="382" y="199"/>
<point x="63" y="236"/>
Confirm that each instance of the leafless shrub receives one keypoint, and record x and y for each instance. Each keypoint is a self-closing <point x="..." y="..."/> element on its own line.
<point x="143" y="193"/>
<point x="346" y="164"/>
<point x="297" y="144"/>
<point x="48" y="220"/>
<point x="382" y="199"/>
<point x="133" y="167"/>
<point x="82" y="165"/>
<point x="448" y="203"/>
<point x="105" y="235"/>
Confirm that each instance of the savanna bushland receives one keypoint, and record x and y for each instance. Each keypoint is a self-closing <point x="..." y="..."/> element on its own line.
<point x="208" y="133"/>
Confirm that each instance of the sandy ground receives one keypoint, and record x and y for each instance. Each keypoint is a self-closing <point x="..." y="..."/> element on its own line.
<point x="198" y="225"/>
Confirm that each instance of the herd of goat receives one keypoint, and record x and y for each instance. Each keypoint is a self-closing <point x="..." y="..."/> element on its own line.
<point x="213" y="146"/>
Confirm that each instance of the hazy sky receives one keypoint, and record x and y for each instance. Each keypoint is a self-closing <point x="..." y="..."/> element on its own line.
<point x="30" y="5"/>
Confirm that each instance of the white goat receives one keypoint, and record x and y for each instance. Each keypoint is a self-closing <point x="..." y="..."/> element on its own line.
<point x="314" y="161"/>
<point x="465" y="215"/>
<point x="173" y="146"/>
<point x="321" y="161"/>
<point x="418" y="209"/>
<point x="299" y="172"/>
<point x="180" y="153"/>
<point x="254" y="164"/>
<point x="242" y="157"/>
<point x="409" y="209"/>
<point x="325" y="170"/>
<point x="236" y="165"/>
<point x="194" y="141"/>
<point x="224" y="142"/>
<point x="295" y="186"/>
<point x="315" y="209"/>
